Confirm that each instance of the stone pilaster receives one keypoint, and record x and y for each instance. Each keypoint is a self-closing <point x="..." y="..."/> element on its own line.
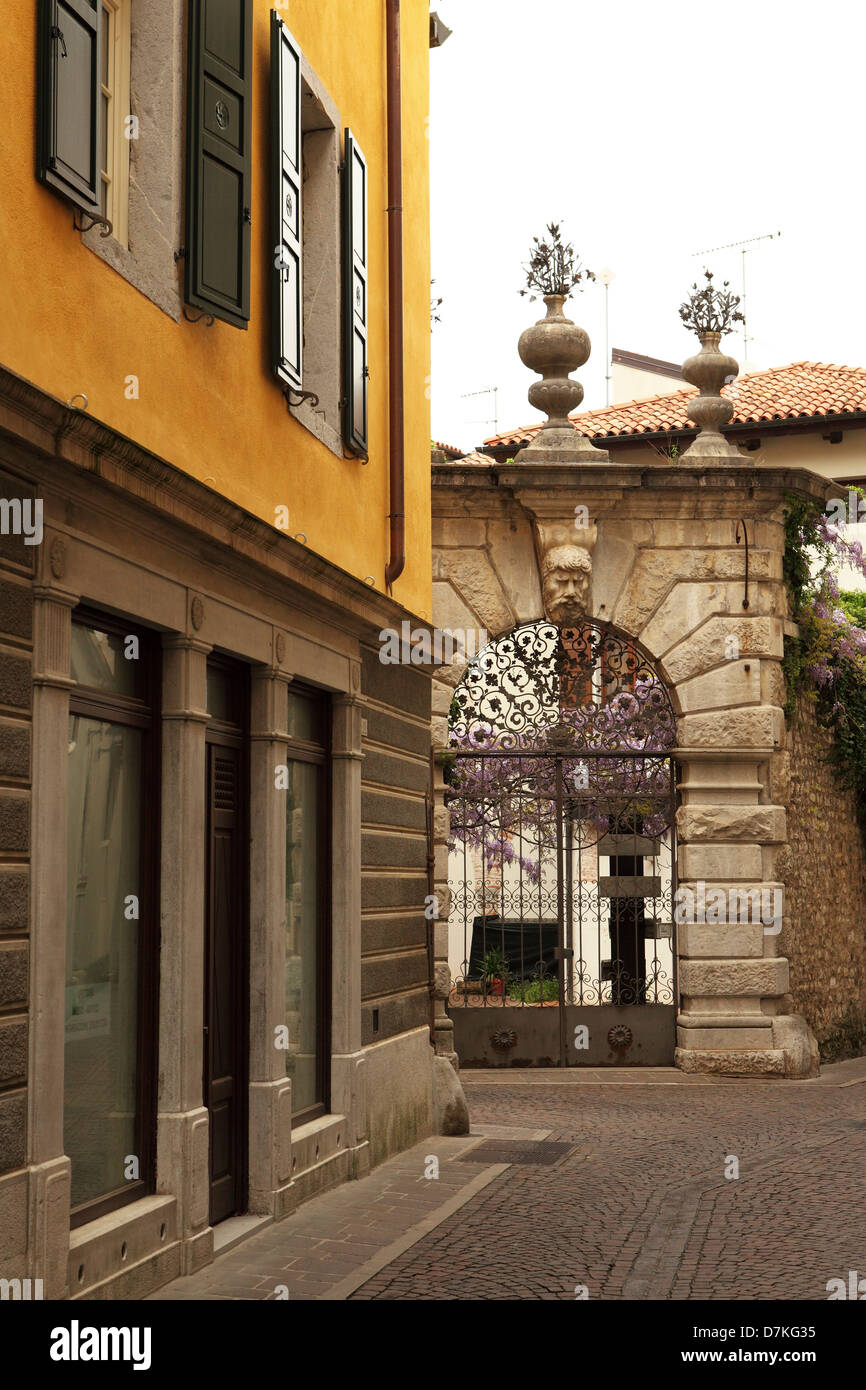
<point x="443" y="1028"/>
<point x="348" y="1067"/>
<point x="270" y="1089"/>
<point x="182" y="1122"/>
<point x="50" y="1170"/>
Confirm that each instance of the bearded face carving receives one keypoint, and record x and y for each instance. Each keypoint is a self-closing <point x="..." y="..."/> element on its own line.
<point x="566" y="585"/>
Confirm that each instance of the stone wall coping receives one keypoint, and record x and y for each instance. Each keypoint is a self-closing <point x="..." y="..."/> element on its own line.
<point x="616" y="477"/>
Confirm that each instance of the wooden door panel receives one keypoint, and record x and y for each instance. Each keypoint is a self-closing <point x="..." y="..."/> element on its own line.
<point x="225" y="1052"/>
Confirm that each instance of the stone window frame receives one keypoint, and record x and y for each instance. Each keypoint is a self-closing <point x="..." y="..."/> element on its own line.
<point x="154" y="223"/>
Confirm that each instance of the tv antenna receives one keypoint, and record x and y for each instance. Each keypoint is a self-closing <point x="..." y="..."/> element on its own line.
<point x="743" y="247"/>
<point x="488" y="391"/>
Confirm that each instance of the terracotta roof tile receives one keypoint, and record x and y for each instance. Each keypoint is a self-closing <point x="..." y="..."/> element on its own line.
<point x="798" y="391"/>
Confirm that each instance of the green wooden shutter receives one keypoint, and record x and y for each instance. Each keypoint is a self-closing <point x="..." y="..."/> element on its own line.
<point x="287" y="325"/>
<point x="69" y="143"/>
<point x="219" y="176"/>
<point x="355" y="297"/>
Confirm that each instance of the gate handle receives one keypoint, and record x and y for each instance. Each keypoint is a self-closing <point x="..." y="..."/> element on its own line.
<point x="57" y="33"/>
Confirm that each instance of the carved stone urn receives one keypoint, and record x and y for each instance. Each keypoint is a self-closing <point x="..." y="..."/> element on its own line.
<point x="554" y="347"/>
<point x="710" y="370"/>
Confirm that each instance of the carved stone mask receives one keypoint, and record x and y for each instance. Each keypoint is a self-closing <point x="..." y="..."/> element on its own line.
<point x="567" y="584"/>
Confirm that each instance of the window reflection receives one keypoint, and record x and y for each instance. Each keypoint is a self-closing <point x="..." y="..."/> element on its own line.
<point x="303" y="935"/>
<point x="104" y="868"/>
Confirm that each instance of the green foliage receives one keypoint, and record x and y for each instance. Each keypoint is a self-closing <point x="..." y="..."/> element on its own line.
<point x="853" y="602"/>
<point x="495" y="964"/>
<point x="536" y="990"/>
<point x="827" y="661"/>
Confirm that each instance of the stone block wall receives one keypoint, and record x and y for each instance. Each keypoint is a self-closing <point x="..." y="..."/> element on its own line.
<point x="395" y="976"/>
<point x="824" y="873"/>
<point x="16" y="645"/>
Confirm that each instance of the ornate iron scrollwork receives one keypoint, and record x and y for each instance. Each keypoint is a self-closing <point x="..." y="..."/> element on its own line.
<point x="588" y="687"/>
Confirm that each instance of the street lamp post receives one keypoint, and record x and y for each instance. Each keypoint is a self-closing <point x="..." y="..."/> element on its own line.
<point x="605" y="277"/>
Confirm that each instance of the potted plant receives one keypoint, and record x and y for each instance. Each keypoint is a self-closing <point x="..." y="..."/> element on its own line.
<point x="496" y="971"/>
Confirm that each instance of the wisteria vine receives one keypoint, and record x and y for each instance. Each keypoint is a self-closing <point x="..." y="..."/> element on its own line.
<point x="827" y="661"/>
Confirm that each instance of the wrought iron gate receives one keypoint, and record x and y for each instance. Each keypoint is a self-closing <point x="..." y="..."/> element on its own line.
<point x="563" y="854"/>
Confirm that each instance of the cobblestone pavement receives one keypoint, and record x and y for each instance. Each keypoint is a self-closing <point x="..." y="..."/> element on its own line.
<point x="638" y="1206"/>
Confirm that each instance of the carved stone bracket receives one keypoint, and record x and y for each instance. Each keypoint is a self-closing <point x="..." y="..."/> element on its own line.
<point x="565" y="566"/>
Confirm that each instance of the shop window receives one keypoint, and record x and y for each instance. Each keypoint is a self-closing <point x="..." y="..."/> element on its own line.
<point x="308" y="956"/>
<point x="112" y="915"/>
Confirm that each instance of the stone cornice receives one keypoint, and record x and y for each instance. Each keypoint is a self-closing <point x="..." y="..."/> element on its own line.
<point x="49" y="428"/>
<point x="612" y="481"/>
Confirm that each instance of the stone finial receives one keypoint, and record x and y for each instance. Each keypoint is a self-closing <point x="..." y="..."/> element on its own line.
<point x="710" y="312"/>
<point x="554" y="347"/>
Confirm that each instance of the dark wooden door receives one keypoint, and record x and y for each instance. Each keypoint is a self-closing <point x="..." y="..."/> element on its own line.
<point x="225" y="1011"/>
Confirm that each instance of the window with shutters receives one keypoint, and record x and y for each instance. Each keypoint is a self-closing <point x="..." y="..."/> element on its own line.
<point x="305" y="194"/>
<point x="219" y="211"/>
<point x="114" y="116"/>
<point x="96" y="151"/>
<point x="70" y="46"/>
<point x="355" y="296"/>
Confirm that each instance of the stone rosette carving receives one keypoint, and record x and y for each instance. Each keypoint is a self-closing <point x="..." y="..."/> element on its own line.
<point x="196" y="612"/>
<point x="57" y="557"/>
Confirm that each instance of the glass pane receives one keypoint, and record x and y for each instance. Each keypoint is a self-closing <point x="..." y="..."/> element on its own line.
<point x="104" y="132"/>
<point x="224" y="695"/>
<point x="305" y="718"/>
<point x="106" y="40"/>
<point x="302" y="933"/>
<point x="104" y="872"/>
<point x="106" y="661"/>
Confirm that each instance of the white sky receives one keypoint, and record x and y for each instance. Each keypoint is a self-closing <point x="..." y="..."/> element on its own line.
<point x="651" y="131"/>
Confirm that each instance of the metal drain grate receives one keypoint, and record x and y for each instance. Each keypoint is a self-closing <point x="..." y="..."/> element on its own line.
<point x="545" y="1151"/>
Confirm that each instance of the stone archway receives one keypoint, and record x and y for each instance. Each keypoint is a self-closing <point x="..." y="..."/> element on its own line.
<point x="656" y="552"/>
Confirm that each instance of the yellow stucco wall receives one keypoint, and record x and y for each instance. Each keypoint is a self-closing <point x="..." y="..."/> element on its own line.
<point x="208" y="403"/>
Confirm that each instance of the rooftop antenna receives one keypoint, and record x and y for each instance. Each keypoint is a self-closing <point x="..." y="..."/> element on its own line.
<point x="488" y="391"/>
<point x="743" y="247"/>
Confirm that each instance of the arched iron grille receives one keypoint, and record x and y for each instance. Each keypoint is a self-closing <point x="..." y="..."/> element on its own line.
<point x="561" y="800"/>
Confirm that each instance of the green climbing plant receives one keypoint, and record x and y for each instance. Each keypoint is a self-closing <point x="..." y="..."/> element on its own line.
<point x="826" y="662"/>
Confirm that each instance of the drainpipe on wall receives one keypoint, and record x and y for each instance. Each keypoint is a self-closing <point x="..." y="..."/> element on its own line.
<point x="397" y="514"/>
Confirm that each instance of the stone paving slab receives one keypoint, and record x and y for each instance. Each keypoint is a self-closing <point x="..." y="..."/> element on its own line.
<point x="337" y="1241"/>
<point x="639" y="1208"/>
